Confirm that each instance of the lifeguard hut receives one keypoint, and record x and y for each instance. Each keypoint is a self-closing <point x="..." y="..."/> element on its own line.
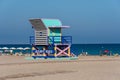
<point x="48" y="40"/>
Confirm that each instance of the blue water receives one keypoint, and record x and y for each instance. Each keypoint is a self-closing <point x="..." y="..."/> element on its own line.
<point x="92" y="49"/>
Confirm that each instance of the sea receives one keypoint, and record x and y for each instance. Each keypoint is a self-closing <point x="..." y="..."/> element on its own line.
<point x="77" y="49"/>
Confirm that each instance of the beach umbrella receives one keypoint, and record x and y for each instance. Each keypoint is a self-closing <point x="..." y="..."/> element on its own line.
<point x="13" y="48"/>
<point x="5" y="48"/>
<point x="26" y="48"/>
<point x="20" y="48"/>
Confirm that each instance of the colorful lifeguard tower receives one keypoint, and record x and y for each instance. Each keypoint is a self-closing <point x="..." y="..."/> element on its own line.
<point x="48" y="40"/>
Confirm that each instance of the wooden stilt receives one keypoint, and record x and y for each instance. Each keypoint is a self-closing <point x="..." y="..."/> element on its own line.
<point x="44" y="53"/>
<point x="55" y="51"/>
<point x="33" y="54"/>
<point x="69" y="52"/>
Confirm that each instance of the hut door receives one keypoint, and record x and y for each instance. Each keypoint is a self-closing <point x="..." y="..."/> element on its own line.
<point x="56" y="33"/>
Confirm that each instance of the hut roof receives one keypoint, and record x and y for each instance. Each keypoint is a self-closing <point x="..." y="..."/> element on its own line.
<point x="52" y="22"/>
<point x="42" y="24"/>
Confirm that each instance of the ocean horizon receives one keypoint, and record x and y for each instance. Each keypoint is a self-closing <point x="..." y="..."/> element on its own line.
<point x="77" y="49"/>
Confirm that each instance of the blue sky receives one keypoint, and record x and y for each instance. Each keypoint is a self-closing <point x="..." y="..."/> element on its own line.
<point x="91" y="21"/>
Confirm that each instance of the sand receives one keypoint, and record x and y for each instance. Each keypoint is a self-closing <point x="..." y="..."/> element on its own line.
<point x="86" y="68"/>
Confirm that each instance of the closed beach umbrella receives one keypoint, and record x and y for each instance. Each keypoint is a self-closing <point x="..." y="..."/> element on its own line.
<point x="20" y="48"/>
<point x="13" y="48"/>
<point x="5" y="48"/>
<point x="26" y="48"/>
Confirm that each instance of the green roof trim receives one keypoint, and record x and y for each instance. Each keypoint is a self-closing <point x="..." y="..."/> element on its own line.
<point x="52" y="22"/>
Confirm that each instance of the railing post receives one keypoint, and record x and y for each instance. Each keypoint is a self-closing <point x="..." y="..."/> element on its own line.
<point x="31" y="40"/>
<point x="63" y="39"/>
<point x="53" y="39"/>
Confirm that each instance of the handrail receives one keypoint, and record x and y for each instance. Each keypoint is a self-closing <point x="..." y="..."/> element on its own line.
<point x="55" y="40"/>
<point x="62" y="40"/>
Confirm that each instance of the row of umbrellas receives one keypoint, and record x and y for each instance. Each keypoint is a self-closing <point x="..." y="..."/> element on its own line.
<point x="13" y="48"/>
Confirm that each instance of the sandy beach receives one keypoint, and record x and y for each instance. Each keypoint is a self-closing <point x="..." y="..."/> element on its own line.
<point x="86" y="68"/>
